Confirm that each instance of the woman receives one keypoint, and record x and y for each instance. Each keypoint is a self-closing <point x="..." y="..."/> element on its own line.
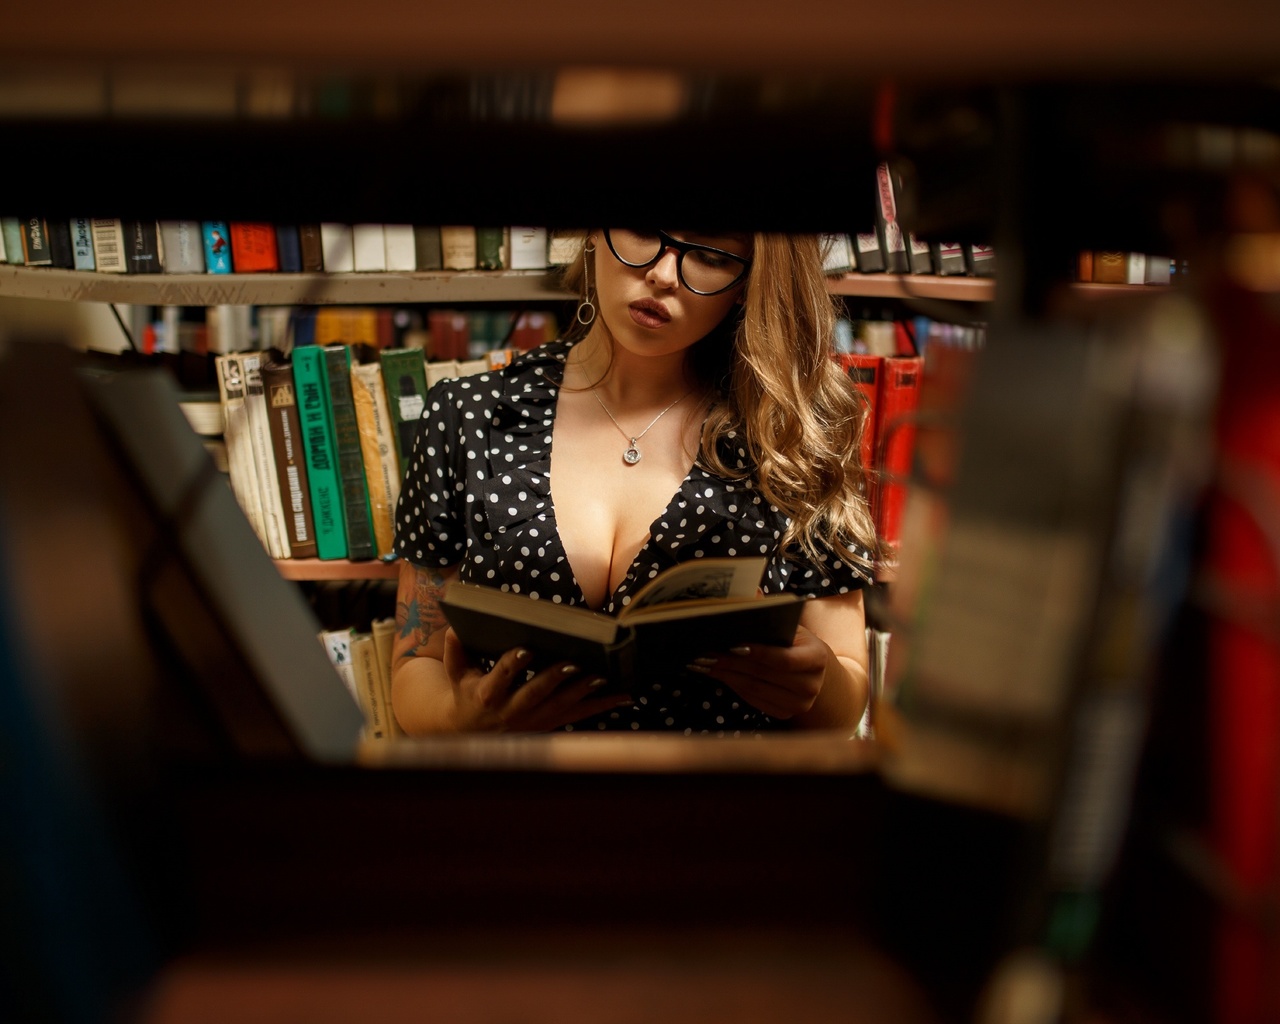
<point x="693" y="411"/>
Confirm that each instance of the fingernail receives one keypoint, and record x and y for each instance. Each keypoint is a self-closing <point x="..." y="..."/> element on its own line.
<point x="522" y="654"/>
<point x="569" y="670"/>
<point x="595" y="683"/>
<point x="704" y="661"/>
<point x="695" y="667"/>
<point x="740" y="650"/>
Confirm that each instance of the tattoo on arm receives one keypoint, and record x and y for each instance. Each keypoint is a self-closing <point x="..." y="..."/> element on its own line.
<point x="419" y="616"/>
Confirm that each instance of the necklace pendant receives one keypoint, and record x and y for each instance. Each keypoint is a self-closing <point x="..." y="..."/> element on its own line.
<point x="632" y="455"/>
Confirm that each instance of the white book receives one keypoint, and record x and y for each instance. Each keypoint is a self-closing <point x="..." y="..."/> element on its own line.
<point x="466" y="367"/>
<point x="528" y="249"/>
<point x="235" y="432"/>
<point x="369" y="248"/>
<point x="401" y="255"/>
<point x="337" y="645"/>
<point x="1135" y="268"/>
<point x="445" y="369"/>
<point x="458" y="247"/>
<point x="183" y="245"/>
<point x="264" y="459"/>
<point x="1159" y="270"/>
<point x="563" y="248"/>
<point x="4" y="256"/>
<point x="837" y="253"/>
<point x="228" y="328"/>
<point x="108" y="246"/>
<point x="337" y="248"/>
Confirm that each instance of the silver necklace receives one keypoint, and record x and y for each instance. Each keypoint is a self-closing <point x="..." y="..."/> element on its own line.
<point x="632" y="454"/>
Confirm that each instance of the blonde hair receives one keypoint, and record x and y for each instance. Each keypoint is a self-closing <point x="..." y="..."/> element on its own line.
<point x="784" y="400"/>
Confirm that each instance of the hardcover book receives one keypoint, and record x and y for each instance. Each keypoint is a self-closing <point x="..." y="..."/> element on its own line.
<point x="404" y="374"/>
<point x="217" y="246"/>
<point x="142" y="246"/>
<point x="426" y="247"/>
<point x="918" y="255"/>
<point x="688" y="611"/>
<point x="61" y="248"/>
<point x="108" y="246"/>
<point x="867" y="253"/>
<point x="980" y="260"/>
<point x="864" y="371"/>
<point x="264" y="460"/>
<point x="528" y="248"/>
<point x="893" y="241"/>
<point x="837" y="254"/>
<point x="337" y="247"/>
<point x="309" y="245"/>
<point x="318" y="449"/>
<point x="896" y="402"/>
<point x="458" y="247"/>
<point x="289" y="248"/>
<point x="491" y="248"/>
<point x="244" y="476"/>
<point x="346" y="438"/>
<point x="384" y="634"/>
<point x="369" y="248"/>
<point x="36" y="251"/>
<point x="401" y="254"/>
<point x="12" y="229"/>
<point x="253" y="248"/>
<point x="948" y="259"/>
<point x="369" y="690"/>
<point x="290" y="459"/>
<point x="181" y="247"/>
<point x="378" y="449"/>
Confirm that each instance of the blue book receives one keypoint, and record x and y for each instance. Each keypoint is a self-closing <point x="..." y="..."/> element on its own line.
<point x="289" y="248"/>
<point x="217" y="246"/>
<point x="82" y="243"/>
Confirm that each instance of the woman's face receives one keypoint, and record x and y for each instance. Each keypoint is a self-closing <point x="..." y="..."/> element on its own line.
<point x="647" y="310"/>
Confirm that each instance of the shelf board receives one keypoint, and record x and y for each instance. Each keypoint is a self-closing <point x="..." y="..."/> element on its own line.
<point x="280" y="289"/>
<point x="905" y="286"/>
<point x="336" y="569"/>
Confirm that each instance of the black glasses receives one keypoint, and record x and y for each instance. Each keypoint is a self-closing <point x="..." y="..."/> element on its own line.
<point x="703" y="269"/>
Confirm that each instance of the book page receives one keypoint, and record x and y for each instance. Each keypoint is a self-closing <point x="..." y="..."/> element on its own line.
<point x="702" y="579"/>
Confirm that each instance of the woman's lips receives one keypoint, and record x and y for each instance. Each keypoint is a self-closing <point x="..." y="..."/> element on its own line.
<point x="649" y="313"/>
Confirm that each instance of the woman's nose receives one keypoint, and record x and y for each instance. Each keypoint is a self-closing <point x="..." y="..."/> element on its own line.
<point x="665" y="272"/>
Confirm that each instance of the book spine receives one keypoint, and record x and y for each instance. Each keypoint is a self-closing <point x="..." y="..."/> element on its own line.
<point x="337" y="246"/>
<point x="217" y="246"/>
<point x="369" y="691"/>
<point x="60" y="244"/>
<point x="253" y="248"/>
<point x="142" y="247"/>
<point x="36" y="251"/>
<point x="12" y="229"/>
<point x="837" y="254"/>
<point x="290" y="461"/>
<point x="948" y="259"/>
<point x="346" y="436"/>
<point x="864" y="372"/>
<point x="980" y="260"/>
<point x="384" y="633"/>
<point x="337" y="645"/>
<point x="378" y="450"/>
<point x="182" y="246"/>
<point x="401" y="255"/>
<point x="289" y="248"/>
<point x="426" y="247"/>
<point x="458" y="249"/>
<point x="319" y="452"/>
<point x="369" y="248"/>
<point x="867" y="254"/>
<point x="895" y="439"/>
<point x="528" y="248"/>
<point x="919" y="255"/>
<point x="239" y="445"/>
<point x="490" y="248"/>
<point x="893" y="242"/>
<point x="108" y="246"/>
<point x="404" y="374"/>
<point x="309" y="245"/>
<point x="264" y="461"/>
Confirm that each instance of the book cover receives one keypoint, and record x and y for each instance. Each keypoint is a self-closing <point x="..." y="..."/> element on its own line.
<point x="309" y="245"/>
<point x="217" y="246"/>
<point x="61" y="250"/>
<point x="1084" y="266"/>
<point x="528" y="248"/>
<point x="36" y="251"/>
<point x="378" y="450"/>
<point x="337" y="248"/>
<point x="288" y="248"/>
<point x="108" y="245"/>
<point x="404" y="374"/>
<point x="948" y="259"/>
<point x="264" y="460"/>
<point x="346" y="438"/>
<point x="687" y="611"/>
<point x="82" y="244"/>
<point x="290" y="459"/>
<point x="458" y="247"/>
<point x="895" y="440"/>
<point x="235" y="416"/>
<point x="401" y="254"/>
<point x="837" y="254"/>
<point x="426" y="247"/>
<point x="918" y="255"/>
<point x="563" y="247"/>
<point x="491" y="248"/>
<point x="368" y="684"/>
<point x="142" y="246"/>
<point x="337" y="645"/>
<point x="384" y="635"/>
<point x="889" y="231"/>
<point x="369" y="248"/>
<point x="980" y="260"/>
<point x="182" y="247"/>
<point x="867" y="253"/>
<point x="864" y="372"/>
<point x="253" y="248"/>
<point x="1135" y="268"/>
<point x="319" y="452"/>
<point x="12" y="230"/>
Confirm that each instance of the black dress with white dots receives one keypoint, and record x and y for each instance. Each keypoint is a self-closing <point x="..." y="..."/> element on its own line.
<point x="477" y="495"/>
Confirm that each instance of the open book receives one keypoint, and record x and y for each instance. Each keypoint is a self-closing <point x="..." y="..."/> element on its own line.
<point x="693" y="609"/>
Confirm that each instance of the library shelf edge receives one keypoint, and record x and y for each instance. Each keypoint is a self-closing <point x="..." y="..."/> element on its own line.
<point x="303" y="569"/>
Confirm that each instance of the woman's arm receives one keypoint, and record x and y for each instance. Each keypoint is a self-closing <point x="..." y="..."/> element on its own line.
<point x="819" y="682"/>
<point x="421" y="692"/>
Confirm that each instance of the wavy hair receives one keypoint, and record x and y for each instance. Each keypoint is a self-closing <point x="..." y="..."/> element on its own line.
<point x="781" y="393"/>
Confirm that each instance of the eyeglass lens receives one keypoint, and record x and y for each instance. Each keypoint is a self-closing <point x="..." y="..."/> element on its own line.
<point x="702" y="269"/>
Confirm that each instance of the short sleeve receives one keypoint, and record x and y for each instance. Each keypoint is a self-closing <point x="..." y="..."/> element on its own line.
<point x="430" y="530"/>
<point x="827" y="575"/>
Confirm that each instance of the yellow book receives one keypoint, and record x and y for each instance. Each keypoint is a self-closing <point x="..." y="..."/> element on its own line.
<point x="378" y="448"/>
<point x="369" y="693"/>
<point x="384" y="634"/>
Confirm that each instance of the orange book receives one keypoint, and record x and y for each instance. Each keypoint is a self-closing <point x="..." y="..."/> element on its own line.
<point x="253" y="247"/>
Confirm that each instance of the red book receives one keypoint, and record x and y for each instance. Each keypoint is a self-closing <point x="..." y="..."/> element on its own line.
<point x="896" y="404"/>
<point x="864" y="370"/>
<point x="253" y="247"/>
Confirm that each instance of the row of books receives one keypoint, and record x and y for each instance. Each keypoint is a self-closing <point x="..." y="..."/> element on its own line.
<point x="1109" y="266"/>
<point x="116" y="246"/>
<point x="317" y="442"/>
<point x="362" y="659"/>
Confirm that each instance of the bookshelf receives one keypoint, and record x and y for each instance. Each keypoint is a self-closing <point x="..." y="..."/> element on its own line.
<point x="315" y="569"/>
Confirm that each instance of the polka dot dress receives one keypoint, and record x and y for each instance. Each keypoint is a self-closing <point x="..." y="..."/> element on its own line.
<point x="477" y="494"/>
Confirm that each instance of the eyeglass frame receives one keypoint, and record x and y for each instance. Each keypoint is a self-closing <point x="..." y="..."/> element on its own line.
<point x="667" y="242"/>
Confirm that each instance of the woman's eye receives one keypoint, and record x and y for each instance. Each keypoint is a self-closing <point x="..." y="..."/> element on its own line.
<point x="711" y="260"/>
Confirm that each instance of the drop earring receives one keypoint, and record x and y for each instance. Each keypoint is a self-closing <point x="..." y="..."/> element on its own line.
<point x="586" y="308"/>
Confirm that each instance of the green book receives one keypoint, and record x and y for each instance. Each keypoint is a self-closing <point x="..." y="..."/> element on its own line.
<point x="318" y="445"/>
<point x="404" y="375"/>
<point x="346" y="438"/>
<point x="13" y="251"/>
<point x="489" y="248"/>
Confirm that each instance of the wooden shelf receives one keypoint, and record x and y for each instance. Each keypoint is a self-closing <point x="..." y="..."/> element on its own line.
<point x="336" y="569"/>
<point x="905" y="286"/>
<point x="279" y="289"/>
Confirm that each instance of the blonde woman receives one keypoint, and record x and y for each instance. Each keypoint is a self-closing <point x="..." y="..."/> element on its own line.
<point x="692" y="411"/>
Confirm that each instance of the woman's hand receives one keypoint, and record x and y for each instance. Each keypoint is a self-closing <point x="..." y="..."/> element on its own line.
<point x="493" y="702"/>
<point x="783" y="682"/>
